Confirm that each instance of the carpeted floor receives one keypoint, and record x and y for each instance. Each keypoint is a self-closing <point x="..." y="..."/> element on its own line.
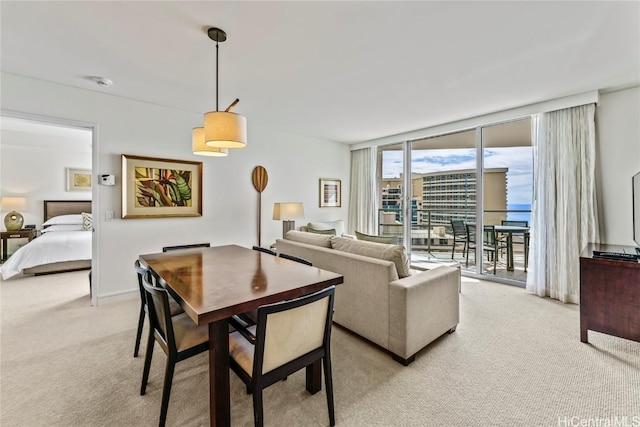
<point x="515" y="360"/>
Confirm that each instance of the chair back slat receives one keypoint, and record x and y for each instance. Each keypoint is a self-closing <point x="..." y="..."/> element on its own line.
<point x="141" y="272"/>
<point x="180" y="247"/>
<point x="291" y="329"/>
<point x="296" y="259"/>
<point x="515" y="223"/>
<point x="265" y="250"/>
<point x="159" y="312"/>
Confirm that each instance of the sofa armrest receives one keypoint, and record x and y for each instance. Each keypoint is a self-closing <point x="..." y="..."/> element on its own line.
<point x="422" y="307"/>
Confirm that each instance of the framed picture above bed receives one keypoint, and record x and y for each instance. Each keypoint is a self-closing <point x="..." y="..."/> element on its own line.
<point x="78" y="179"/>
<point x="160" y="188"/>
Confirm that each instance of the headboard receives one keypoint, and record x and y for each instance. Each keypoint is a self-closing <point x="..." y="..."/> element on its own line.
<point x="65" y="207"/>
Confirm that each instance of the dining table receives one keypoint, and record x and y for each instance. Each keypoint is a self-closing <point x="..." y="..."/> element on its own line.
<point x="216" y="283"/>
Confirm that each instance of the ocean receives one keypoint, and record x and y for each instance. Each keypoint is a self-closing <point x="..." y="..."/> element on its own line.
<point x="519" y="216"/>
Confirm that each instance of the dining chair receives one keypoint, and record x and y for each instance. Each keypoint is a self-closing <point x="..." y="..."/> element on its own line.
<point x="178" y="337"/>
<point x="491" y="244"/>
<point x="459" y="236"/>
<point x="296" y="259"/>
<point x="180" y="247"/>
<point x="524" y="235"/>
<point x="265" y="250"/>
<point x="174" y="307"/>
<point x="289" y="336"/>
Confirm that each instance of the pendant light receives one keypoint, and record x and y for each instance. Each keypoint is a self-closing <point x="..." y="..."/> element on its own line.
<point x="223" y="129"/>
<point x="201" y="149"/>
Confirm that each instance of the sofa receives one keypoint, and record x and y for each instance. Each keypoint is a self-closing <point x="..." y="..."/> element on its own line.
<point x="381" y="299"/>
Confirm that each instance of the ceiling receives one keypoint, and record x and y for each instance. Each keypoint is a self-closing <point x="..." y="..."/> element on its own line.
<point x="343" y="71"/>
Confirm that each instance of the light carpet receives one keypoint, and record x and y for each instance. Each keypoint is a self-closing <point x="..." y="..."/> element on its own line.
<point x="515" y="360"/>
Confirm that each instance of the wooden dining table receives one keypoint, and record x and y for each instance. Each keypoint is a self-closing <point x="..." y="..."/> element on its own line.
<point x="213" y="284"/>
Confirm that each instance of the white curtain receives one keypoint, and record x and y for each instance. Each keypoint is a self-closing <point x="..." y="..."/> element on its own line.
<point x="564" y="211"/>
<point x="363" y="191"/>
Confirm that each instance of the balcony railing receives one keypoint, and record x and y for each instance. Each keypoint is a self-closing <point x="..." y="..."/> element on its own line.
<point x="432" y="236"/>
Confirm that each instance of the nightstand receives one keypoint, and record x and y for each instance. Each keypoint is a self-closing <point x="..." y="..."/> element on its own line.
<point x="17" y="234"/>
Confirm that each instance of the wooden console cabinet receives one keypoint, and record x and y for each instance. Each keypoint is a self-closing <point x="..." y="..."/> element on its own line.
<point x="609" y="294"/>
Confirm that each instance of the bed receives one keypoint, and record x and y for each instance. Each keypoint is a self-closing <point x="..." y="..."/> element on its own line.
<point x="58" y="248"/>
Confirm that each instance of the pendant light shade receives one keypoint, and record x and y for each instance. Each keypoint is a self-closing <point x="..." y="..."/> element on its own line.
<point x="225" y="130"/>
<point x="201" y="149"/>
<point x="222" y="129"/>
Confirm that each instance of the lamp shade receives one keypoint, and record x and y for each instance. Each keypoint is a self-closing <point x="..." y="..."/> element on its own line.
<point x="288" y="211"/>
<point x="201" y="149"/>
<point x="223" y="129"/>
<point x="13" y="203"/>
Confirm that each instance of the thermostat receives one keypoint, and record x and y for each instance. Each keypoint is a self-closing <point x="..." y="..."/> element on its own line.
<point x="107" y="180"/>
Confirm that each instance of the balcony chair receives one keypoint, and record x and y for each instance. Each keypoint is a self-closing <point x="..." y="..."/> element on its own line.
<point x="459" y="236"/>
<point x="289" y="336"/>
<point x="174" y="307"/>
<point x="178" y="337"/>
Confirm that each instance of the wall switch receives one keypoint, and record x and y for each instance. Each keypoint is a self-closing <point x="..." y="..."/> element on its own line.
<point x="108" y="215"/>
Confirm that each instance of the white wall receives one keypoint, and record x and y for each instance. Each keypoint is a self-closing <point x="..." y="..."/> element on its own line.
<point x="618" y="153"/>
<point x="36" y="170"/>
<point x="294" y="163"/>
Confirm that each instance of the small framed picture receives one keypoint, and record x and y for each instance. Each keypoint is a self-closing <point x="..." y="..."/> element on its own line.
<point x="330" y="193"/>
<point x="78" y="179"/>
<point x="160" y="188"/>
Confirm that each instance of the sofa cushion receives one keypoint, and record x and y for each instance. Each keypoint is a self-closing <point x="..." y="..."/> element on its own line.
<point x="377" y="239"/>
<point x="337" y="225"/>
<point x="394" y="253"/>
<point x="322" y="240"/>
<point x="314" y="230"/>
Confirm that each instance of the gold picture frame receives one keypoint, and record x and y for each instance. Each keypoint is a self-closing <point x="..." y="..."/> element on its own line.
<point x="160" y="188"/>
<point x="330" y="193"/>
<point x="78" y="179"/>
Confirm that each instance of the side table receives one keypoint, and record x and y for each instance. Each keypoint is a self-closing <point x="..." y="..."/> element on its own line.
<point x="17" y="234"/>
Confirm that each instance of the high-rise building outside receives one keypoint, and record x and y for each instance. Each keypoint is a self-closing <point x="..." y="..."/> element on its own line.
<point x="438" y="197"/>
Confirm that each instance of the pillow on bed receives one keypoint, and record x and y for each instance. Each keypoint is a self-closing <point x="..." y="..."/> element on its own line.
<point x="63" y="227"/>
<point x="86" y="221"/>
<point x="64" y="219"/>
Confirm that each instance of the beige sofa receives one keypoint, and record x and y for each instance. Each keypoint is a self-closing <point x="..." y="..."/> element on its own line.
<point x="376" y="301"/>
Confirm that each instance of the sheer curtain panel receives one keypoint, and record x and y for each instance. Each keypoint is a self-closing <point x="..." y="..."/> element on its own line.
<point x="363" y="191"/>
<point x="564" y="213"/>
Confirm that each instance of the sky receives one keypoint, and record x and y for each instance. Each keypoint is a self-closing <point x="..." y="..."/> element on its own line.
<point x="518" y="160"/>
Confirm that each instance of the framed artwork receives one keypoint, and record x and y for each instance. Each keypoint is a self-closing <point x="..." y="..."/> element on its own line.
<point x="160" y="188"/>
<point x="330" y="193"/>
<point x="78" y="179"/>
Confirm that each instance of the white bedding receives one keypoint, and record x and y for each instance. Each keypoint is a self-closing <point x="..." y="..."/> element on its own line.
<point x="49" y="248"/>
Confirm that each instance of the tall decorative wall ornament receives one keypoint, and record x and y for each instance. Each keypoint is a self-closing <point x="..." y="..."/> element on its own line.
<point x="260" y="179"/>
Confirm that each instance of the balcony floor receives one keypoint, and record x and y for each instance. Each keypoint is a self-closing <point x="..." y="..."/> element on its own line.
<point x="517" y="274"/>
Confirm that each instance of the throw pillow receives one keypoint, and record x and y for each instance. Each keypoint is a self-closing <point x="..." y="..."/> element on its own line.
<point x="394" y="253"/>
<point x="322" y="240"/>
<point x="377" y="239"/>
<point x="314" y="230"/>
<point x="87" y="221"/>
<point x="337" y="225"/>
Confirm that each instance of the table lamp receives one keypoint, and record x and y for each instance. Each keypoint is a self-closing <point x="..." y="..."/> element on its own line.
<point x="13" y="220"/>
<point x="288" y="213"/>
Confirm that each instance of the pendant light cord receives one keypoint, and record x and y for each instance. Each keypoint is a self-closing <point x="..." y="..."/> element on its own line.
<point x="216" y="75"/>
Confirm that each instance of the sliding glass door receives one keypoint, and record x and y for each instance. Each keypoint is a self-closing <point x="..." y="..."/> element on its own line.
<point x="434" y="201"/>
